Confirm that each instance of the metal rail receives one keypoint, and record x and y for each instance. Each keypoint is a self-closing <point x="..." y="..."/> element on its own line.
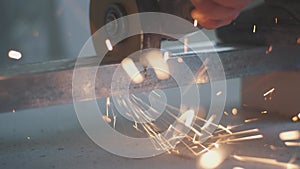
<point x="50" y="83"/>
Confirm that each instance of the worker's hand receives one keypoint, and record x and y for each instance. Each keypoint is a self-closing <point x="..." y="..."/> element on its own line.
<point x="212" y="14"/>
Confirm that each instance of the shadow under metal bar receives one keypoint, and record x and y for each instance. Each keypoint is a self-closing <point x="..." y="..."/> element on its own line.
<point x="50" y="83"/>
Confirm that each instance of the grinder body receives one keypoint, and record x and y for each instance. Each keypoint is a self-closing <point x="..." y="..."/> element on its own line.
<point x="105" y="12"/>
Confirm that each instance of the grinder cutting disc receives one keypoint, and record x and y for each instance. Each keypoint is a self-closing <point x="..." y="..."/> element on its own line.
<point x="103" y="12"/>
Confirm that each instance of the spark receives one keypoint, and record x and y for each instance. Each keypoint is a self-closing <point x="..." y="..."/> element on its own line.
<point x="176" y="151"/>
<point x="115" y="121"/>
<point x="226" y="113"/>
<point x="179" y="60"/>
<point x="254" y="29"/>
<point x="195" y="23"/>
<point x="159" y="141"/>
<point x="106" y="119"/>
<point x="135" y="126"/>
<point x="270" y="49"/>
<point x="289" y="135"/>
<point x="225" y="129"/>
<point x="156" y="60"/>
<point x="107" y="105"/>
<point x="186" y="43"/>
<point x="219" y="93"/>
<point x="292" y="144"/>
<point x="13" y="54"/>
<point x="230" y="127"/>
<point x="201" y="146"/>
<point x="28" y="138"/>
<point x="264" y="112"/>
<point x="238" y="133"/>
<point x="212" y="158"/>
<point x="201" y="75"/>
<point x="131" y="69"/>
<point x="234" y="111"/>
<point x="108" y="45"/>
<point x="266" y="161"/>
<point x="174" y="134"/>
<point x="276" y="20"/>
<point x="251" y="120"/>
<point x="166" y="56"/>
<point x="188" y="117"/>
<point x="269" y="92"/>
<point x="299" y="115"/>
<point x="209" y="122"/>
<point x="248" y="138"/>
<point x="295" y="118"/>
<point x="13" y="110"/>
<point x="298" y="40"/>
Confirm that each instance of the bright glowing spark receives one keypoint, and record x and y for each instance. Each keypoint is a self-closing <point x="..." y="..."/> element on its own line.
<point x="13" y="54"/>
<point x="108" y="45"/>
<point x="219" y="93"/>
<point x="234" y="111"/>
<point x="166" y="56"/>
<point x="266" y="161"/>
<point x="270" y="49"/>
<point x="132" y="71"/>
<point x="299" y="115"/>
<point x="115" y="121"/>
<point x="292" y="144"/>
<point x="108" y="101"/>
<point x="187" y="117"/>
<point x="248" y="138"/>
<point x="212" y="159"/>
<point x="107" y="105"/>
<point x="106" y="119"/>
<point x="254" y="29"/>
<point x="264" y="112"/>
<point x="225" y="129"/>
<point x="186" y="43"/>
<point x="179" y="60"/>
<point x="13" y="110"/>
<point x="28" y="138"/>
<point x="276" y="20"/>
<point x="238" y="168"/>
<point x="195" y="23"/>
<point x="156" y="60"/>
<point x="237" y="133"/>
<point x="295" y="118"/>
<point x="251" y="120"/>
<point x="269" y="92"/>
<point x="289" y="135"/>
<point x="216" y="145"/>
<point x="230" y="127"/>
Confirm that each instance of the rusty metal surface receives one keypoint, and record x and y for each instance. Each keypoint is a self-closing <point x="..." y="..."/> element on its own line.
<point x="45" y="84"/>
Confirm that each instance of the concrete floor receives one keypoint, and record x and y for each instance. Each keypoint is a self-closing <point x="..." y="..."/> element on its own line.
<point x="52" y="138"/>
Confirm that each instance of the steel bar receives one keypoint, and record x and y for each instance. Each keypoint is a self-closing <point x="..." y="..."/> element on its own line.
<point x="45" y="84"/>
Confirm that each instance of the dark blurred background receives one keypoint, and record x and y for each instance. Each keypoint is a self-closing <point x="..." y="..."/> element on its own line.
<point x="42" y="30"/>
